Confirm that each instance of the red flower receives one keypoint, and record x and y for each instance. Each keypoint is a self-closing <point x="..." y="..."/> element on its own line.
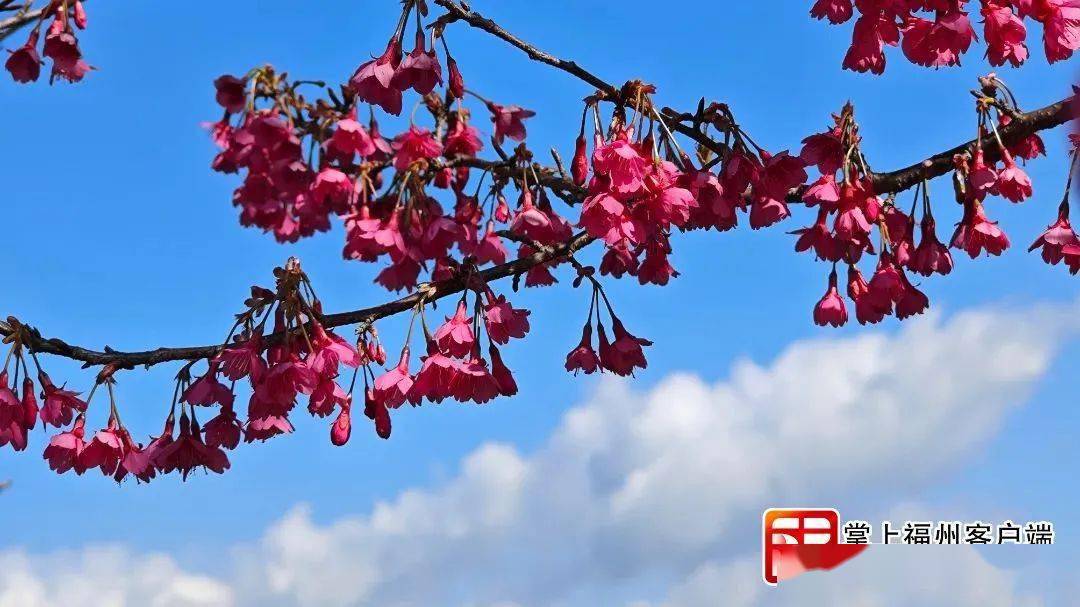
<point x="975" y="233"/>
<point x="457" y="83"/>
<point x="583" y="357"/>
<point x="207" y="390"/>
<point x="474" y="382"/>
<point x="392" y="387"/>
<point x="503" y="321"/>
<point x="231" y="93"/>
<point x="504" y="379"/>
<point x="625" y="353"/>
<point x="414" y="144"/>
<point x="189" y="451"/>
<point x="376" y="411"/>
<point x="351" y="138"/>
<point x="1061" y="26"/>
<point x="243" y="359"/>
<point x="931" y="255"/>
<point x="266" y="427"/>
<point x="1057" y="236"/>
<point x="836" y="11"/>
<point x="1005" y="34"/>
<point x="372" y="80"/>
<point x="224" y="430"/>
<point x="1013" y="183"/>
<point x="509" y="121"/>
<point x="579" y="167"/>
<point x="342" y="427"/>
<point x="59" y="405"/>
<point x="870" y="307"/>
<point x="819" y="238"/>
<point x="65" y="449"/>
<point x="24" y="63"/>
<point x="106" y="449"/>
<point x="831" y="309"/>
<point x="462" y="140"/>
<point x="420" y="70"/>
<point x="436" y="378"/>
<point x="455" y="337"/>
<point x="869" y="37"/>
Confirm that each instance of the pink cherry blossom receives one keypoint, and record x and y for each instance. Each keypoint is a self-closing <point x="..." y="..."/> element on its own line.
<point x="509" y="121"/>
<point x="455" y="337"/>
<point x="392" y="387"/>
<point x="420" y="70"/>
<point x="1057" y="236"/>
<point x="831" y="309"/>
<point x="583" y="357"/>
<point x="372" y="80"/>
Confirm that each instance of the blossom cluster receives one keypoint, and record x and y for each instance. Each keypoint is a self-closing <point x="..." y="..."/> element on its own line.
<point x="937" y="33"/>
<point x="61" y="45"/>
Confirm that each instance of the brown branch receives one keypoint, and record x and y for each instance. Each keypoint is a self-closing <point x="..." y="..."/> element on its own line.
<point x="1022" y="126"/>
<point x="428" y="292"/>
<point x="15" y="22"/>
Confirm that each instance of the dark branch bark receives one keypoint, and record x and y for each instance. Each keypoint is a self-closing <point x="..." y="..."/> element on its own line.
<point x="14" y="23"/>
<point x="1023" y="125"/>
<point x="428" y="292"/>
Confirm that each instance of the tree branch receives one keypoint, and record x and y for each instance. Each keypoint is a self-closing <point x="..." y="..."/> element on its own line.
<point x="15" y="22"/>
<point x="1023" y="125"/>
<point x="428" y="292"/>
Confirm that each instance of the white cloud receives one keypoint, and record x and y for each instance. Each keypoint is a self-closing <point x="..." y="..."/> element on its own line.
<point x="644" y="491"/>
<point x="104" y="576"/>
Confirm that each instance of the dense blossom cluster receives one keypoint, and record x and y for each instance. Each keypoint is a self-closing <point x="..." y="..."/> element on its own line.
<point x="937" y="33"/>
<point x="443" y="222"/>
<point x="61" y="46"/>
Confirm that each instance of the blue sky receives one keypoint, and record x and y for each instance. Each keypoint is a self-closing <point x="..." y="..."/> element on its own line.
<point x="123" y="236"/>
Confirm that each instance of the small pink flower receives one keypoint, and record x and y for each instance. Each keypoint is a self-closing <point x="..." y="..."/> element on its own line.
<point x="332" y="190"/>
<point x="420" y="70"/>
<point x="1005" y="34"/>
<point x="912" y="302"/>
<point x="326" y="397"/>
<point x="414" y="144"/>
<point x="207" y="390"/>
<point x="267" y="427"/>
<point x="462" y="140"/>
<point x="106" y="449"/>
<point x="455" y="337"/>
<point x="931" y="255"/>
<point x="975" y="233"/>
<point x="504" y="379"/>
<point x="836" y="11"/>
<point x="583" y="357"/>
<point x="1061" y="26"/>
<point x="59" y="405"/>
<point x="376" y="411"/>
<point x="819" y="238"/>
<point x="490" y="248"/>
<point x="224" y="430"/>
<point x="1057" y="236"/>
<point x="342" y="427"/>
<point x="436" y="378"/>
<point x="765" y="212"/>
<point x="350" y="138"/>
<point x="474" y="383"/>
<point x="189" y="451"/>
<point x="624" y="353"/>
<point x="372" y="80"/>
<point x="831" y="309"/>
<point x="392" y="387"/>
<point x="231" y="93"/>
<point x="24" y="63"/>
<point x="1013" y="183"/>
<point x="503" y="321"/>
<point x="244" y="358"/>
<point x="509" y="121"/>
<point x="65" y="449"/>
<point x="622" y="164"/>
<point x="870" y="307"/>
<point x="456" y="82"/>
<point x="982" y="177"/>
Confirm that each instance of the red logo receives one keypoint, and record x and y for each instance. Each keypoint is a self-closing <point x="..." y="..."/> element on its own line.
<point x="797" y="540"/>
